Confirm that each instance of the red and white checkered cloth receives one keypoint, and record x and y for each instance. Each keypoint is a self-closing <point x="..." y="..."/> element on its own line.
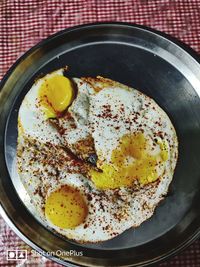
<point x="24" y="23"/>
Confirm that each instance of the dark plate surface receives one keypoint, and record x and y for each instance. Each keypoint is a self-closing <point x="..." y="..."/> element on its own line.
<point x="157" y="66"/>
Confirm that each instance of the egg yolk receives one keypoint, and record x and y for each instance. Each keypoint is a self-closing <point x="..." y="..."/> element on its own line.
<point x="55" y="95"/>
<point x="130" y="161"/>
<point x="66" y="207"/>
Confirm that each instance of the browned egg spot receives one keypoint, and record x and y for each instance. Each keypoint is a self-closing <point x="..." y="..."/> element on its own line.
<point x="66" y="207"/>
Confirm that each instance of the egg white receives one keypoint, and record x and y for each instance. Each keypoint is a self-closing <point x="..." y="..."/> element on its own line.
<point x="117" y="215"/>
<point x="108" y="216"/>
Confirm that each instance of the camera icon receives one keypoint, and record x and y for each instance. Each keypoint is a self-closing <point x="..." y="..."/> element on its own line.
<point x="15" y="255"/>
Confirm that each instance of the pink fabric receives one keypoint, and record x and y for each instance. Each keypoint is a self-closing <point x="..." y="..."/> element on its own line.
<point x="24" y="23"/>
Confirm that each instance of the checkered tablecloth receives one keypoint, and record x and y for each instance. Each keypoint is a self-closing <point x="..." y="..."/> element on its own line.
<point x="23" y="23"/>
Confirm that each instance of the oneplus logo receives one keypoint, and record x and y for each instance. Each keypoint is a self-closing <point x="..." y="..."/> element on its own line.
<point x="14" y="255"/>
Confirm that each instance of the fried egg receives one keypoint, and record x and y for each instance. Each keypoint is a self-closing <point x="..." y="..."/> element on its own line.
<point x="48" y="98"/>
<point x="97" y="158"/>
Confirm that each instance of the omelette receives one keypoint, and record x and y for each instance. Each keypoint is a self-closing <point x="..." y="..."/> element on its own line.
<point x="95" y="156"/>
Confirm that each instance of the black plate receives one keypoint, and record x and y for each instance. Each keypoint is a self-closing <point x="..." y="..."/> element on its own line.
<point x="139" y="57"/>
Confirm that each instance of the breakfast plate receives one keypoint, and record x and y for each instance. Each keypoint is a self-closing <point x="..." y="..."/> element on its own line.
<point x="160" y="68"/>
